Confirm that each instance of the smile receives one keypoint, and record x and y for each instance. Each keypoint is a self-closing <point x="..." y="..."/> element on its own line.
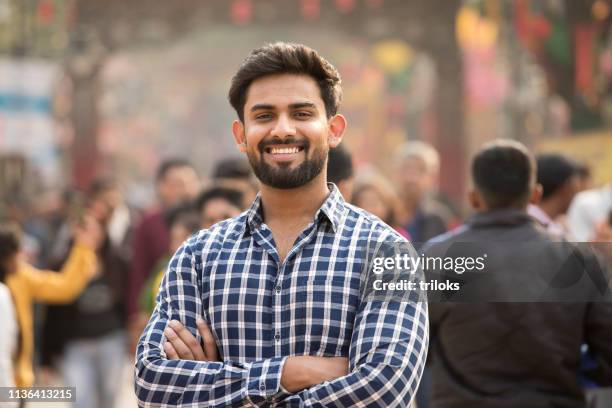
<point x="284" y="150"/>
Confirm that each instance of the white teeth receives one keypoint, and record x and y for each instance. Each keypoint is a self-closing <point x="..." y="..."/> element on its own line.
<point x="285" y="150"/>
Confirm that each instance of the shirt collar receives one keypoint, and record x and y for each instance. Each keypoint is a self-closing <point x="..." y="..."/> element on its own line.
<point x="502" y="217"/>
<point x="333" y="210"/>
<point x="539" y="215"/>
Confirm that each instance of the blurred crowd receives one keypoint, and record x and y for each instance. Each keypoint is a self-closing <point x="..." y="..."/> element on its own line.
<point x="96" y="264"/>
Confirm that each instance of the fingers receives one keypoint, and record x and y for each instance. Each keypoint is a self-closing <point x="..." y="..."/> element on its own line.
<point x="171" y="353"/>
<point x="210" y="346"/>
<point x="184" y="342"/>
<point x="181" y="349"/>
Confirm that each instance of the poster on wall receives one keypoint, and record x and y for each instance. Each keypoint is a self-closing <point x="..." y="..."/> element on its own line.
<point x="26" y="116"/>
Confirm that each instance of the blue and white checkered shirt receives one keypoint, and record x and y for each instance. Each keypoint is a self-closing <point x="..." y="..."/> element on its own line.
<point x="262" y="310"/>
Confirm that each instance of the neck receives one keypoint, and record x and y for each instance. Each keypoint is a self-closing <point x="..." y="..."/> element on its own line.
<point x="295" y="203"/>
<point x="550" y="208"/>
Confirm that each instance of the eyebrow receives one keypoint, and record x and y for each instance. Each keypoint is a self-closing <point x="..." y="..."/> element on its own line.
<point x="298" y="105"/>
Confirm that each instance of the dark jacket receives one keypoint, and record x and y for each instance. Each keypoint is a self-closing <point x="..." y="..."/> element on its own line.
<point x="495" y="347"/>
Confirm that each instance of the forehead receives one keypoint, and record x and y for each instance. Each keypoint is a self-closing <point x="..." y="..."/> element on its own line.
<point x="283" y="89"/>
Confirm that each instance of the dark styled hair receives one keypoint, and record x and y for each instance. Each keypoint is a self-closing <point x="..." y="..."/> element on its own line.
<point x="9" y="246"/>
<point x="554" y="170"/>
<point x="339" y="165"/>
<point x="286" y="58"/>
<point x="170" y="164"/>
<point x="233" y="196"/>
<point x="504" y="173"/>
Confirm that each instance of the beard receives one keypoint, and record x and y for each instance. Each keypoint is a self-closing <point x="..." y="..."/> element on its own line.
<point x="282" y="176"/>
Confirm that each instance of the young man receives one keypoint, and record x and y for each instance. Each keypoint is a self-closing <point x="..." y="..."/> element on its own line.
<point x="274" y="294"/>
<point x="512" y="338"/>
<point x="176" y="182"/>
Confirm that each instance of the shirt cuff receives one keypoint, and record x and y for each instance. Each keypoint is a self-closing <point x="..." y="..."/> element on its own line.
<point x="264" y="378"/>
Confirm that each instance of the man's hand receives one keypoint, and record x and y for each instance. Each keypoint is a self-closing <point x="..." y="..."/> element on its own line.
<point x="301" y="372"/>
<point x="181" y="344"/>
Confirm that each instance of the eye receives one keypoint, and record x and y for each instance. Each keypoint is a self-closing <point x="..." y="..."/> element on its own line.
<point x="303" y="114"/>
<point x="263" y="116"/>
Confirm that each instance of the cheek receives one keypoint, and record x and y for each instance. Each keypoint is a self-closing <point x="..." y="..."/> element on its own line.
<point x="254" y="133"/>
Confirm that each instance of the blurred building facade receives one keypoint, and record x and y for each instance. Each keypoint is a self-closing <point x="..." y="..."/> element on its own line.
<point x="130" y="83"/>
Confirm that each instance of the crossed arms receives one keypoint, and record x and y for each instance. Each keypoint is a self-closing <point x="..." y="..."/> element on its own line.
<point x="385" y="361"/>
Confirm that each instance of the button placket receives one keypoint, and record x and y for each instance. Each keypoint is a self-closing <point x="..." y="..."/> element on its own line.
<point x="277" y="300"/>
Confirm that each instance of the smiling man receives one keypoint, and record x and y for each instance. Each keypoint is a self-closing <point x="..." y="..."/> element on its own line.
<point x="265" y="309"/>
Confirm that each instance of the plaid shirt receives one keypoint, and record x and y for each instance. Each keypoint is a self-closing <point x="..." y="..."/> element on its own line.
<point x="262" y="310"/>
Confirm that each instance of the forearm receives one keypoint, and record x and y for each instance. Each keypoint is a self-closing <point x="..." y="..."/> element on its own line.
<point x="64" y="286"/>
<point x="370" y="385"/>
<point x="162" y="382"/>
<point x="170" y="382"/>
<point x="302" y="372"/>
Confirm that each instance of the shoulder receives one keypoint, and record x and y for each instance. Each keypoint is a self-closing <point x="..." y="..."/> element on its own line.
<point x="226" y="232"/>
<point x="359" y="221"/>
<point x="586" y="200"/>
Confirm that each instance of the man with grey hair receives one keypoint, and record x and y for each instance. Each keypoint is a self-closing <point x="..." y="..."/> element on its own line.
<point x="417" y="170"/>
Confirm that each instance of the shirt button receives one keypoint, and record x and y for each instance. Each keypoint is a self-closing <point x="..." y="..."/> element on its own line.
<point x="278" y="289"/>
<point x="262" y="387"/>
<point x="277" y="337"/>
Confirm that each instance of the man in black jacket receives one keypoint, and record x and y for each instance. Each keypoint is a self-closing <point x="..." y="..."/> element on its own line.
<point x="512" y="335"/>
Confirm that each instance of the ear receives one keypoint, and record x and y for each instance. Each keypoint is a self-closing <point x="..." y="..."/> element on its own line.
<point x="536" y="194"/>
<point x="239" y="136"/>
<point x="476" y="200"/>
<point x="336" y="125"/>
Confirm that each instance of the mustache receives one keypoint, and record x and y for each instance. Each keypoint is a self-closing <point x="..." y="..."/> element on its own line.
<point x="276" y="141"/>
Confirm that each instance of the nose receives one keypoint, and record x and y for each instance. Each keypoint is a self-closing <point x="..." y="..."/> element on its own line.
<point x="283" y="127"/>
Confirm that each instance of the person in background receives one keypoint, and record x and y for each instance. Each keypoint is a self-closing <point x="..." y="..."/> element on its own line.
<point x="28" y="284"/>
<point x="416" y="174"/>
<point x="417" y="169"/>
<point x="340" y="171"/>
<point x="588" y="211"/>
<point x="9" y="245"/>
<point x="494" y="348"/>
<point x="176" y="182"/>
<point x="217" y="204"/>
<point x="376" y="195"/>
<point x="184" y="221"/>
<point x="236" y="173"/>
<point x="558" y="177"/>
<point x="585" y="175"/>
<point x="88" y="335"/>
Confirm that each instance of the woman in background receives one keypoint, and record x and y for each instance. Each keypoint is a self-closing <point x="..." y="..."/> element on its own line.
<point x="375" y="194"/>
<point x="28" y="285"/>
